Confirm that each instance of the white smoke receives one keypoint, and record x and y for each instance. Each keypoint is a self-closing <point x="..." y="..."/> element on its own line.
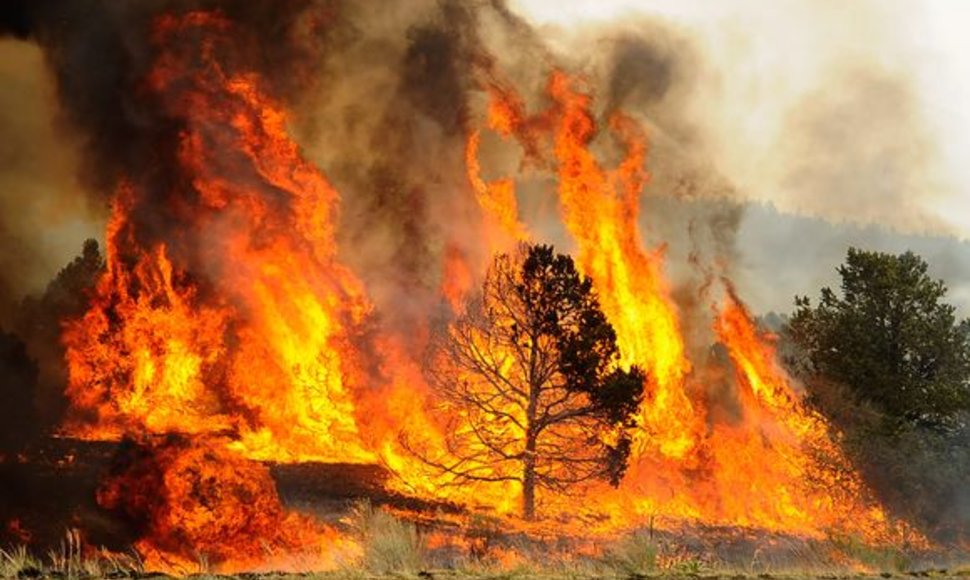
<point x="845" y="111"/>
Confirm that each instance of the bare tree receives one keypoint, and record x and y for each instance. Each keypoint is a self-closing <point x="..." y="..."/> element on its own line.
<point x="531" y="372"/>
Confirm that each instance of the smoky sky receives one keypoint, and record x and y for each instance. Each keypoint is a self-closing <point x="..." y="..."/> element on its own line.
<point x="382" y="96"/>
<point x="99" y="52"/>
<point x="76" y="120"/>
<point x="44" y="214"/>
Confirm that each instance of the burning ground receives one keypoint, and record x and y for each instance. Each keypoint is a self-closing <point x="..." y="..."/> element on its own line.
<point x="300" y="197"/>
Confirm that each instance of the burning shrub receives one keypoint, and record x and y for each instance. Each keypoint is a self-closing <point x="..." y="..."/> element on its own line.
<point x="192" y="499"/>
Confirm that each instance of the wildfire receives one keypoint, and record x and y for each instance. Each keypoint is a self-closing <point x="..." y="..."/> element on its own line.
<point x="245" y="324"/>
<point x="601" y="210"/>
<point x="193" y="497"/>
<point x="765" y="461"/>
<point x="225" y="315"/>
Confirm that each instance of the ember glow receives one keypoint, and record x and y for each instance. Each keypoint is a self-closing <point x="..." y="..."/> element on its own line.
<point x="227" y="331"/>
<point x="195" y="496"/>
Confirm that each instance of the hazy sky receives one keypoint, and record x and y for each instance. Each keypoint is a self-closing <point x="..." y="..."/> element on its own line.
<point x="770" y="62"/>
<point x="43" y="216"/>
<point x="853" y="112"/>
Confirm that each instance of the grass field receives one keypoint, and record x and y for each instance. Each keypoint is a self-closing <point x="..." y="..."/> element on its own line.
<point x="391" y="547"/>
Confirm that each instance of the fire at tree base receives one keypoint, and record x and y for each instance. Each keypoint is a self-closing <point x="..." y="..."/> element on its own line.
<point x="248" y="391"/>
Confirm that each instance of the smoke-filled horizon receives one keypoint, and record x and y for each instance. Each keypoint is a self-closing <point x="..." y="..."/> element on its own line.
<point x="821" y="122"/>
<point x="847" y="112"/>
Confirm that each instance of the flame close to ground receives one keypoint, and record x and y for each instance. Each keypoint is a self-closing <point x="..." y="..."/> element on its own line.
<point x="226" y="315"/>
<point x="172" y="487"/>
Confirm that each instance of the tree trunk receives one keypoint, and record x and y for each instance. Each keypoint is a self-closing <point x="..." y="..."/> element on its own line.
<point x="529" y="459"/>
<point x="529" y="479"/>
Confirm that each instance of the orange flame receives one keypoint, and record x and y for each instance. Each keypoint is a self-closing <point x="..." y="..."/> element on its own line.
<point x="196" y="499"/>
<point x="601" y="210"/>
<point x="772" y="450"/>
<point x="226" y="314"/>
<point x="760" y="462"/>
<point x="237" y="322"/>
<point x="153" y="353"/>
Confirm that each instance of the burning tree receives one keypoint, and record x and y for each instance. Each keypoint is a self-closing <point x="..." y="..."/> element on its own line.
<point x="532" y="368"/>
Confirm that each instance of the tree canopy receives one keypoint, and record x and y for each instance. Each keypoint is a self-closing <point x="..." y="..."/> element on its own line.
<point x="18" y="385"/>
<point x="38" y="323"/>
<point x="532" y="367"/>
<point x="890" y="338"/>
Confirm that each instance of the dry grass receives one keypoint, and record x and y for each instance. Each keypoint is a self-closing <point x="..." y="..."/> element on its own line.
<point x="18" y="562"/>
<point x="389" y="544"/>
<point x="70" y="561"/>
<point x="635" y="555"/>
<point x="393" y="548"/>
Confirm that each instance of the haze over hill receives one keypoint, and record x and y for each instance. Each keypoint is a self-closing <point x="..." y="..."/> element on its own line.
<point x="784" y="255"/>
